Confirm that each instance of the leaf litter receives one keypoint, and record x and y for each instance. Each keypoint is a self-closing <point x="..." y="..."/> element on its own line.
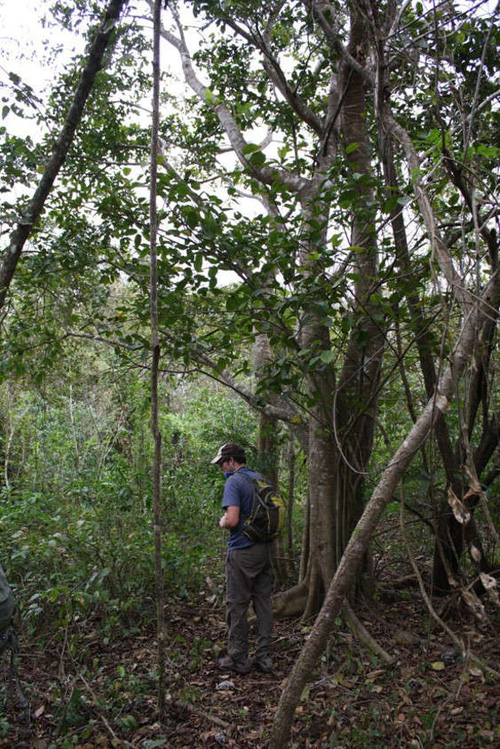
<point x="103" y="693"/>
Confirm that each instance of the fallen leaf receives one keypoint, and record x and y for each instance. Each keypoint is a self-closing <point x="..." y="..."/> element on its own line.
<point x="341" y="681"/>
<point x="438" y="666"/>
<point x="39" y="711"/>
<point x="475" y="553"/>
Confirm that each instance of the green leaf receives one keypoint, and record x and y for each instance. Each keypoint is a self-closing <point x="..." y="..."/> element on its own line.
<point x="352" y="147"/>
<point x="250" y="148"/>
<point x="257" y="159"/>
<point x="327" y="357"/>
<point x="192" y="216"/>
<point x="438" y="666"/>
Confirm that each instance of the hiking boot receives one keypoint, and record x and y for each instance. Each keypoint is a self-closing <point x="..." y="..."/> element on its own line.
<point x="228" y="664"/>
<point x="264" y="664"/>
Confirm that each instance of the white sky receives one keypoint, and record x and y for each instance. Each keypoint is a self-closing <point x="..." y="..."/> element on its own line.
<point x="25" y="50"/>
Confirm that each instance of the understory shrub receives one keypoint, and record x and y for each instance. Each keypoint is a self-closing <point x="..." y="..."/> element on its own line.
<point x="71" y="562"/>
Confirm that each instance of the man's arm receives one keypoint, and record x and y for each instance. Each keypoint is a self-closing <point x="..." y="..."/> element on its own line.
<point x="231" y="517"/>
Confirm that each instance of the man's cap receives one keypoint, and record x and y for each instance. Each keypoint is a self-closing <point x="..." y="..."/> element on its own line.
<point x="223" y="451"/>
<point x="230" y="450"/>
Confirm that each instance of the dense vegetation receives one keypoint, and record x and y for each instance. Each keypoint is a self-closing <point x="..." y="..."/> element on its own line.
<point x="327" y="294"/>
<point x="76" y="500"/>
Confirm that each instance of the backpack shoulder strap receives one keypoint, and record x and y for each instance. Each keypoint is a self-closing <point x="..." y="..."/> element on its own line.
<point x="241" y="472"/>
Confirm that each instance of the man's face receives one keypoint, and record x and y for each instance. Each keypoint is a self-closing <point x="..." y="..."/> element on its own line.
<point x="225" y="464"/>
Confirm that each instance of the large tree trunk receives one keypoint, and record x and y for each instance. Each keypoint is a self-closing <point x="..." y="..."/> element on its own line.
<point x="383" y="493"/>
<point x="341" y="425"/>
<point x="356" y="397"/>
<point x="320" y="565"/>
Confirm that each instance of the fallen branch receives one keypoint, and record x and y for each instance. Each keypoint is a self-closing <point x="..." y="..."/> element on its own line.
<point x="180" y="705"/>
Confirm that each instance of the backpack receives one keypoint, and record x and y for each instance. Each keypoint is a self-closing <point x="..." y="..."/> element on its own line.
<point x="267" y="516"/>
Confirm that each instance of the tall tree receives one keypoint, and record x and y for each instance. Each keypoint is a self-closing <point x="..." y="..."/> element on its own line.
<point x="318" y="162"/>
<point x="155" y="362"/>
<point x="321" y="117"/>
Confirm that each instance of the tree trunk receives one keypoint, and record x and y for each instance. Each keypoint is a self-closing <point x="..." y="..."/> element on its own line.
<point x="291" y="463"/>
<point x="339" y="448"/>
<point x="322" y="520"/>
<point x="383" y="493"/>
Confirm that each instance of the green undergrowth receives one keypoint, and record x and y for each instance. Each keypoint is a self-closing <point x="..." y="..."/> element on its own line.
<point x="70" y="561"/>
<point x="76" y="506"/>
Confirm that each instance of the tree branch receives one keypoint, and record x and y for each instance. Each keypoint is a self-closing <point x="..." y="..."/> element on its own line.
<point x="35" y="207"/>
<point x="322" y="9"/>
<point x="266" y="175"/>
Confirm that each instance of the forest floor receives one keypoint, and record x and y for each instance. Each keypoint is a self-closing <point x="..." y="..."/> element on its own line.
<point x="102" y="693"/>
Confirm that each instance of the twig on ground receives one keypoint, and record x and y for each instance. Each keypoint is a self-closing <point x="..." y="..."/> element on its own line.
<point x="104" y="720"/>
<point x="200" y="713"/>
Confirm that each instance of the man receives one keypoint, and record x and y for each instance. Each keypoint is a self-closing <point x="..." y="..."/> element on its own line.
<point x="248" y="568"/>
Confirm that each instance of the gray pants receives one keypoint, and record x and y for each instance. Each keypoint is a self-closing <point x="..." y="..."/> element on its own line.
<point x="249" y="580"/>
